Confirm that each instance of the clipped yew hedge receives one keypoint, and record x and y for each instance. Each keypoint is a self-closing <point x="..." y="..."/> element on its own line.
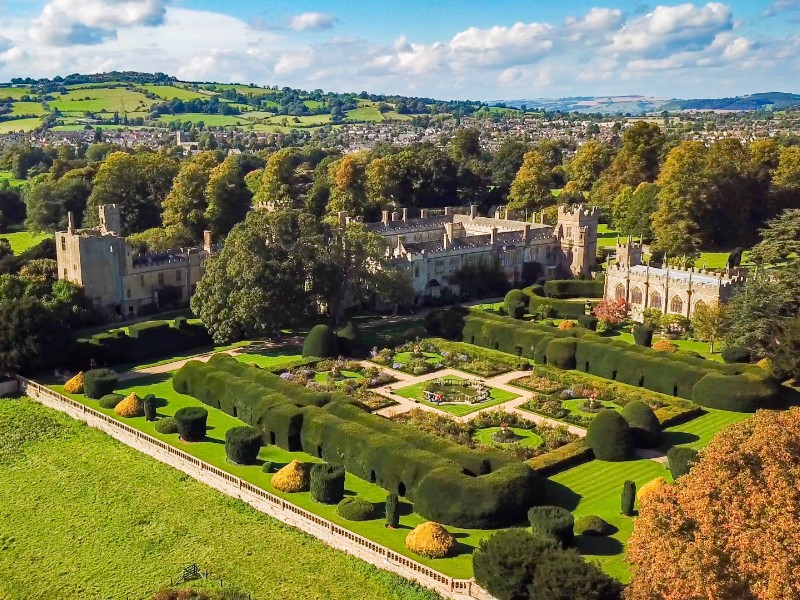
<point x="574" y="288"/>
<point x="447" y="482"/>
<point x="327" y="483"/>
<point x="320" y="341"/>
<point x="609" y="436"/>
<point x="99" y="382"/>
<point x="242" y="445"/>
<point x="644" y="424"/>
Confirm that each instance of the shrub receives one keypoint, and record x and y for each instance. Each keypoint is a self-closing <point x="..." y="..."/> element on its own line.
<point x="99" y="382"/>
<point x="649" y="488"/>
<point x="593" y="525"/>
<point x="392" y="511"/>
<point x="111" y="400"/>
<point x="446" y="323"/>
<point x="354" y="508"/>
<point x="560" y="352"/>
<point x="167" y="425"/>
<point x="645" y="428"/>
<point x="735" y="354"/>
<point x="320" y="342"/>
<point x="574" y="288"/>
<point x="430" y="540"/>
<point x="643" y="335"/>
<point x="554" y="521"/>
<point x="665" y="346"/>
<point x="268" y="467"/>
<point x="567" y="324"/>
<point x="75" y="385"/>
<point x="327" y="483"/>
<point x="609" y="436"/>
<point x="192" y="423"/>
<point x="292" y="478"/>
<point x="149" y="405"/>
<point x="515" y="303"/>
<point x="348" y="338"/>
<point x="628" y="497"/>
<point x="242" y="445"/>
<point x="131" y="406"/>
<point x="681" y="460"/>
<point x="588" y="322"/>
<point x="766" y="364"/>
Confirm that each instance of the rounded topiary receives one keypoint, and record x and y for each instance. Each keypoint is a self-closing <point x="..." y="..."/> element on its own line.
<point x="292" y="478"/>
<point x="430" y="540"/>
<point x="392" y="511"/>
<point x="681" y="460"/>
<point x="588" y="322"/>
<point x="643" y="335"/>
<point x="554" y="521"/>
<point x="192" y="422"/>
<point x="645" y="427"/>
<point x="131" y="406"/>
<point x="609" y="436"/>
<point x="268" y="466"/>
<point x="567" y="324"/>
<point x="99" y="382"/>
<point x="515" y="303"/>
<point x="348" y="338"/>
<point x="327" y="483"/>
<point x="593" y="525"/>
<point x="242" y="445"/>
<point x="75" y="385"/>
<point x="353" y="508"/>
<point x="665" y="346"/>
<point x="149" y="404"/>
<point x="167" y="425"/>
<point x="320" y="342"/>
<point x="735" y="354"/>
<point x="111" y="400"/>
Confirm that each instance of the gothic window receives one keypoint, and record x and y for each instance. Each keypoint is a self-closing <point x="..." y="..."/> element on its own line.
<point x="619" y="292"/>
<point x="655" y="300"/>
<point x="636" y="296"/>
<point x="676" y="304"/>
<point x="698" y="304"/>
<point x="439" y="267"/>
<point x="178" y="276"/>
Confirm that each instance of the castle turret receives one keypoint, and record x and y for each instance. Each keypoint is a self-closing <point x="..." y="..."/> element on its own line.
<point x="629" y="254"/>
<point x="110" y="221"/>
<point x="577" y="234"/>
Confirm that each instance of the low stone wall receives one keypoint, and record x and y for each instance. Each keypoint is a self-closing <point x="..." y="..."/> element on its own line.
<point x="322" y="529"/>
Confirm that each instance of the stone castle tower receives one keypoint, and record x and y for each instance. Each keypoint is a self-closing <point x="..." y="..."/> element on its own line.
<point x="110" y="220"/>
<point x="576" y="232"/>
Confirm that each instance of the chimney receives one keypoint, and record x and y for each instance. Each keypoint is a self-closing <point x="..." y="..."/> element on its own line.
<point x="395" y="215"/>
<point x="385" y="217"/>
<point x="447" y="242"/>
<point x="526" y="234"/>
<point x="342" y="217"/>
<point x="493" y="237"/>
<point x="70" y="222"/>
<point x="446" y="210"/>
<point x="423" y="213"/>
<point x="405" y="214"/>
<point x="473" y="211"/>
<point x="207" y="240"/>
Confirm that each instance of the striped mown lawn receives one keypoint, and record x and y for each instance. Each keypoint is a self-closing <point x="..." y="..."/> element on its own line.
<point x="595" y="488"/>
<point x="698" y="432"/>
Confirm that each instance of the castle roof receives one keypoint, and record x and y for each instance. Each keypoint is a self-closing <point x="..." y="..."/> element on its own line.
<point x="675" y="274"/>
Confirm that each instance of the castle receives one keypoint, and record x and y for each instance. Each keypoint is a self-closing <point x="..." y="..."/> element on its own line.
<point x="436" y="244"/>
<point x="670" y="290"/>
<point x="118" y="280"/>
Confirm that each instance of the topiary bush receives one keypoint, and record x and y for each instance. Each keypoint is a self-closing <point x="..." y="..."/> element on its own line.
<point x="392" y="511"/>
<point x="593" y="525"/>
<point x="554" y="521"/>
<point x="643" y="335"/>
<point x="167" y="425"/>
<point x="192" y="422"/>
<point x="348" y="338"/>
<point x="320" y="342"/>
<point x="75" y="384"/>
<point x="99" y="382"/>
<point x="681" y="460"/>
<point x="515" y="303"/>
<point x="645" y="427"/>
<point x="354" y="508"/>
<point x="665" y="346"/>
<point x="567" y="324"/>
<point x="242" y="445"/>
<point x="609" y="436"/>
<point x="292" y="478"/>
<point x="268" y="467"/>
<point x="628" y="498"/>
<point x="131" y="406"/>
<point x="560" y="352"/>
<point x="149" y="404"/>
<point x="588" y="322"/>
<point x="430" y="540"/>
<point x="111" y="400"/>
<point x="736" y="354"/>
<point x="327" y="483"/>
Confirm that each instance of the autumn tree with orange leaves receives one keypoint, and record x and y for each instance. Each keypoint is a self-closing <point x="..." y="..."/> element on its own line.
<point x="730" y="528"/>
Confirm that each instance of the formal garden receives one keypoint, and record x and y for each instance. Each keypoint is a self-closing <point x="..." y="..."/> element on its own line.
<point x="455" y="394"/>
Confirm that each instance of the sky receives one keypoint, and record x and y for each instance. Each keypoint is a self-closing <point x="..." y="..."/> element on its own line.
<point x="448" y="49"/>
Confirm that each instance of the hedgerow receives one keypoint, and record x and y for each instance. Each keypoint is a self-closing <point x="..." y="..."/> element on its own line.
<point x="574" y="288"/>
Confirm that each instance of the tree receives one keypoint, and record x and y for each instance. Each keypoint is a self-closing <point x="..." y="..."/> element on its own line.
<point x="728" y="528"/>
<point x="530" y="189"/>
<point x="11" y="207"/>
<point x="633" y="210"/>
<point x="395" y="287"/>
<point x="348" y="192"/>
<point x="612" y="311"/>
<point x="505" y="163"/>
<point x="49" y="202"/>
<point x="708" y="323"/>
<point x="31" y="336"/>
<point x="186" y="203"/>
<point x="785" y="353"/>
<point x="591" y="159"/>
<point x="787" y="174"/>
<point x="779" y="239"/>
<point x="227" y="196"/>
<point x="281" y="183"/>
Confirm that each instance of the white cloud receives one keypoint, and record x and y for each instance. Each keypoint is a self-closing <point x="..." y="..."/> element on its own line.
<point x="781" y="6"/>
<point x="312" y="21"/>
<point x="67" y="22"/>
<point x="596" y="25"/>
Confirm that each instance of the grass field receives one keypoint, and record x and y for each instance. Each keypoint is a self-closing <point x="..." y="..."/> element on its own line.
<point x="698" y="432"/>
<point x="526" y="438"/>
<point x="84" y="516"/>
<point x="168" y="92"/>
<point x="28" y="108"/>
<point x="20" y="125"/>
<point x="22" y="240"/>
<point x="414" y="392"/>
<point x="606" y="238"/>
<point x="14" y="92"/>
<point x="100" y="99"/>
<point x="211" y="120"/>
<point x="8" y="176"/>
<point x="688" y="345"/>
<point x="213" y="451"/>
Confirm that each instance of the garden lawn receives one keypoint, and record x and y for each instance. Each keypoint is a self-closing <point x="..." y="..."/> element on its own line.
<point x="213" y="452"/>
<point x="430" y="357"/>
<point x="574" y="407"/>
<point x="23" y="240"/>
<point x="269" y="358"/>
<point x="606" y="238"/>
<point x="414" y="392"/>
<point x="84" y="516"/>
<point x="689" y="345"/>
<point x="527" y="438"/>
<point x="594" y="488"/>
<point x="698" y="432"/>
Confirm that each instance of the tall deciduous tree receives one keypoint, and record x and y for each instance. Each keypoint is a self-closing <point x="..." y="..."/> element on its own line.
<point x="48" y="202"/>
<point x="531" y="187"/>
<point x="708" y="323"/>
<point x="585" y="168"/>
<point x="31" y="336"/>
<point x="633" y="209"/>
<point x="186" y="203"/>
<point x="730" y="528"/>
<point x="227" y="196"/>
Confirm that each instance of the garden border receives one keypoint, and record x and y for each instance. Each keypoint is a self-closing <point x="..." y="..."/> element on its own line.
<point x="326" y="531"/>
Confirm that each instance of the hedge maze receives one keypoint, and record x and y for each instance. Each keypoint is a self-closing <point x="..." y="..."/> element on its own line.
<point x="736" y="387"/>
<point x="447" y="482"/>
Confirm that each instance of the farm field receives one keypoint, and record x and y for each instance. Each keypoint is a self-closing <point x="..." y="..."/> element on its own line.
<point x="101" y="520"/>
<point x="28" y="108"/>
<point x="28" y="124"/>
<point x="211" y="120"/>
<point x="101" y="99"/>
<point x="168" y="92"/>
<point x="22" y="240"/>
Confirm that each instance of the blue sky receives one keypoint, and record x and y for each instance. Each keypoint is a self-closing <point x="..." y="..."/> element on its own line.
<point x="440" y="48"/>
